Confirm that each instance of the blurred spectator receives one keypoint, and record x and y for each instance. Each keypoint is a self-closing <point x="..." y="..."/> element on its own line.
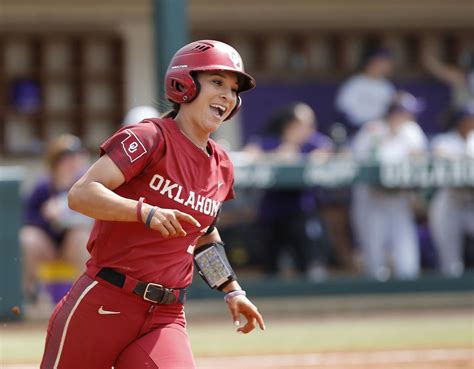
<point x="138" y="113"/>
<point x="384" y="217"/>
<point x="51" y="229"/>
<point x="451" y="212"/>
<point x="460" y="76"/>
<point x="289" y="217"/>
<point x="366" y="96"/>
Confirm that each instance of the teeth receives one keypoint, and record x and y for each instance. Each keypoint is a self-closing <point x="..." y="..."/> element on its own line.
<point x="222" y="109"/>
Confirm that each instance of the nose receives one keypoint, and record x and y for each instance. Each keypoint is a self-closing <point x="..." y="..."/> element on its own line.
<point x="229" y="95"/>
<point x="226" y="93"/>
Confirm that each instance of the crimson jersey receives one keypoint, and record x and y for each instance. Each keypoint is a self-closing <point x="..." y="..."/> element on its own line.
<point x="164" y="166"/>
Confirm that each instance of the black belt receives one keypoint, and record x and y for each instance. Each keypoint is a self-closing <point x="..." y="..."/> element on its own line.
<point x="151" y="292"/>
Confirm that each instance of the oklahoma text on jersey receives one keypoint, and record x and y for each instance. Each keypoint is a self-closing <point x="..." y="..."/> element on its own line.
<point x="174" y="191"/>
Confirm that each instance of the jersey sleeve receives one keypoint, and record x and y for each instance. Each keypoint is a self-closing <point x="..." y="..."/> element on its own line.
<point x="231" y="193"/>
<point x="227" y="171"/>
<point x="132" y="147"/>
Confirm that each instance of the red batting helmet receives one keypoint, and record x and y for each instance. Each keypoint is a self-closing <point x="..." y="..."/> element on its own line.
<point x="203" y="55"/>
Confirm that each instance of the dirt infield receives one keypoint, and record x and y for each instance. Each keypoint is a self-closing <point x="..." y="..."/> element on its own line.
<point x="414" y="359"/>
<point x="418" y="359"/>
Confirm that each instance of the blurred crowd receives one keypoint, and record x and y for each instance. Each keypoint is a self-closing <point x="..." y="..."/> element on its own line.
<point x="51" y="230"/>
<point x="311" y="232"/>
<point x="390" y="233"/>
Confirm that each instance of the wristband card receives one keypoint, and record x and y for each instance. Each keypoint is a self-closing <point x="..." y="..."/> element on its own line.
<point x="212" y="267"/>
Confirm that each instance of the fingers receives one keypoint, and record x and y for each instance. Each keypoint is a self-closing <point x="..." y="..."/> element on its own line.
<point x="177" y="226"/>
<point x="162" y="224"/>
<point x="166" y="221"/>
<point x="252" y="316"/>
<point x="187" y="218"/>
<point x="161" y="228"/>
<point x="249" y="326"/>
<point x="169" y="227"/>
<point x="235" y="316"/>
<point x="260" y="321"/>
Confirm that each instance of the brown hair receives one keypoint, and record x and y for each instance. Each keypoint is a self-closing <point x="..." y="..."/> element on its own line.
<point x="172" y="112"/>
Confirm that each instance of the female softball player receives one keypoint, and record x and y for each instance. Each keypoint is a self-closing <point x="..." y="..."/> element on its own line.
<point x="155" y="193"/>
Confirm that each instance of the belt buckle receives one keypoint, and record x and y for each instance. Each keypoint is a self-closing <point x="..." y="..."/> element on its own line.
<point x="147" y="291"/>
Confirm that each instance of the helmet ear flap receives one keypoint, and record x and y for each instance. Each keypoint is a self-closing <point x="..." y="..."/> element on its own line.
<point x="197" y="88"/>
<point x="236" y="108"/>
<point x="182" y="88"/>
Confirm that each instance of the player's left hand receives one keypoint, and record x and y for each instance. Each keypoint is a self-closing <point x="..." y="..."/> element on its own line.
<point x="242" y="305"/>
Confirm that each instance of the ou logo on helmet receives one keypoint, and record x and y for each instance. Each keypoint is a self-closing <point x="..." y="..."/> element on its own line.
<point x="235" y="59"/>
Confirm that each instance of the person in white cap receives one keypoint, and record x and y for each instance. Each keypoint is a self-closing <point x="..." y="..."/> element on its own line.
<point x="451" y="212"/>
<point x="384" y="217"/>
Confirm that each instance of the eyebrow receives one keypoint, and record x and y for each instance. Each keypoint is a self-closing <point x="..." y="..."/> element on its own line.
<point x="219" y="74"/>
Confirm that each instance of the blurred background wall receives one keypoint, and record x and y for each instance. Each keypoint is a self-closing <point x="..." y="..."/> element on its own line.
<point x="78" y="66"/>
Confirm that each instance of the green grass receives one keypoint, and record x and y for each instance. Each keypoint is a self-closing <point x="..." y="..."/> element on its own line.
<point x="20" y="344"/>
<point x="317" y="335"/>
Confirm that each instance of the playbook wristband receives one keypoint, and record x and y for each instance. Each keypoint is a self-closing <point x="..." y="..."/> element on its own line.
<point x="232" y="294"/>
<point x="139" y="209"/>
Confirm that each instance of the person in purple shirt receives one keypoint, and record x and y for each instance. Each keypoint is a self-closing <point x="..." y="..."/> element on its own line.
<point x="289" y="217"/>
<point x="51" y="230"/>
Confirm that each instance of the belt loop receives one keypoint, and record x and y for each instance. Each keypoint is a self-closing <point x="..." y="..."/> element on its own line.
<point x="130" y="284"/>
<point x="92" y="271"/>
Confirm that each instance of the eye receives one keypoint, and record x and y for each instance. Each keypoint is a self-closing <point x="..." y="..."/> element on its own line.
<point x="217" y="82"/>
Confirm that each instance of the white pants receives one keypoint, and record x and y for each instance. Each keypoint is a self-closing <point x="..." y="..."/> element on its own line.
<point x="383" y="223"/>
<point x="451" y="216"/>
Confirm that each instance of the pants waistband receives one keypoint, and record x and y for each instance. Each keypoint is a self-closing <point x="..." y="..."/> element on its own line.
<point x="151" y="292"/>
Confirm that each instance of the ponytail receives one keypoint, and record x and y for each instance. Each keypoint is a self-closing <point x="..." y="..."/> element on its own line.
<point x="172" y="113"/>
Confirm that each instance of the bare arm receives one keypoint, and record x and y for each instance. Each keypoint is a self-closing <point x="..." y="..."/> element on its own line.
<point x="238" y="304"/>
<point x="446" y="73"/>
<point x="93" y="196"/>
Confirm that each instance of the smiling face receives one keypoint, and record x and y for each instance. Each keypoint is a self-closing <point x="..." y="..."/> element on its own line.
<point x="215" y="101"/>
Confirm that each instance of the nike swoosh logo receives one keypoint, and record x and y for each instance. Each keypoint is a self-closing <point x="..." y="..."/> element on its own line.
<point x="101" y="311"/>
